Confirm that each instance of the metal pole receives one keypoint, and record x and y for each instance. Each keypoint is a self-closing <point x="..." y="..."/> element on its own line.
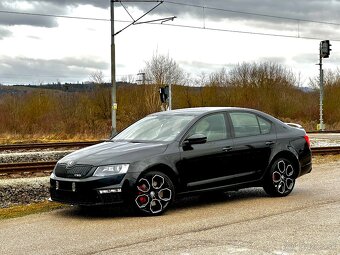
<point x="113" y="73"/>
<point x="321" y="92"/>
<point x="170" y="97"/>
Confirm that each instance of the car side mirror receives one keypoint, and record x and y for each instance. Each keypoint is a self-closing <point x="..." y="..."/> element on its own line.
<point x="195" y="139"/>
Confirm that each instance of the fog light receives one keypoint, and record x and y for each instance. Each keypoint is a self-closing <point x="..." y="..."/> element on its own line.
<point x="56" y="185"/>
<point x="73" y="186"/>
<point x="107" y="191"/>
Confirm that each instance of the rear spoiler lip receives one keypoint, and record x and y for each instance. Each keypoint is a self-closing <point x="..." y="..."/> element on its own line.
<point x="295" y="125"/>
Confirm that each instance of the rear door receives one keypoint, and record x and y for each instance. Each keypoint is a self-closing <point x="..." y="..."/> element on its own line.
<point x="254" y="139"/>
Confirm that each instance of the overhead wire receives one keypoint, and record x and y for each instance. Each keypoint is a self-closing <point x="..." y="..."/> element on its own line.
<point x="204" y="27"/>
<point x="251" y="13"/>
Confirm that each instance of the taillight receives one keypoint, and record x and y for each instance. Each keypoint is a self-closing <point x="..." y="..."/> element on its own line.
<point x="307" y="140"/>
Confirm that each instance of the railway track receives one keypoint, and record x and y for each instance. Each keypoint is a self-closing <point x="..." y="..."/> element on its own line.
<point x="326" y="150"/>
<point x="47" y="166"/>
<point x="27" y="167"/>
<point x="35" y="146"/>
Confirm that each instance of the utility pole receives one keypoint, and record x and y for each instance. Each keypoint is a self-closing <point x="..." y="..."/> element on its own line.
<point x="324" y="52"/>
<point x="113" y="74"/>
<point x="321" y="127"/>
<point x="114" y="105"/>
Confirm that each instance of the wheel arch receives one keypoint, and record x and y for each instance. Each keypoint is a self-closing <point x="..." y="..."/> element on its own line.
<point x="287" y="155"/>
<point x="165" y="169"/>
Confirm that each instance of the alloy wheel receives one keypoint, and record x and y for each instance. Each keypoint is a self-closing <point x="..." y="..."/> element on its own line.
<point x="154" y="192"/>
<point x="283" y="177"/>
<point x="280" y="180"/>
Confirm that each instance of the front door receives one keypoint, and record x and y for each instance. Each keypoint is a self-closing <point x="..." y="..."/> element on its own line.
<point x="207" y="165"/>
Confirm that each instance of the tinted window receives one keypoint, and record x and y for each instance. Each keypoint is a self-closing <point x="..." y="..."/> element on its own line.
<point x="212" y="126"/>
<point x="265" y="126"/>
<point x="245" y="124"/>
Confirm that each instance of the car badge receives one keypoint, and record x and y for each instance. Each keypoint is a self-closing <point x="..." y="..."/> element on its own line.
<point x="70" y="163"/>
<point x="77" y="175"/>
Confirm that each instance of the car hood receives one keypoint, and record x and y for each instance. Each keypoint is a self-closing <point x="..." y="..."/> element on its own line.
<point x="113" y="153"/>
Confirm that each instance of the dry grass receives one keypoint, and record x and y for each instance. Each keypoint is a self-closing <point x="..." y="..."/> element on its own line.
<point x="48" y="115"/>
<point x="44" y="138"/>
<point x="320" y="159"/>
<point x="23" y="210"/>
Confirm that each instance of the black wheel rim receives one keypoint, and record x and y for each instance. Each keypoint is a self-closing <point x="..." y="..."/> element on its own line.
<point x="283" y="177"/>
<point x="153" y="194"/>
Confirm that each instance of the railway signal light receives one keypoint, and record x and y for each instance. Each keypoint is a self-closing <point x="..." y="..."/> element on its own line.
<point x="164" y="94"/>
<point x="325" y="49"/>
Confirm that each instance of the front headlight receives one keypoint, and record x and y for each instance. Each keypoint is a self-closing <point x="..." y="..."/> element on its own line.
<point x="111" y="170"/>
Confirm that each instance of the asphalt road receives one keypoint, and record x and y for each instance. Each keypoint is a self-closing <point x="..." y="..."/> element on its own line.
<point x="244" y="222"/>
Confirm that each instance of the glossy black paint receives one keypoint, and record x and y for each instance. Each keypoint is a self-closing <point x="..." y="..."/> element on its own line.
<point x="227" y="163"/>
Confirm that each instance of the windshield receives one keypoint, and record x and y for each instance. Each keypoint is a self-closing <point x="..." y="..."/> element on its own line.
<point x="155" y="128"/>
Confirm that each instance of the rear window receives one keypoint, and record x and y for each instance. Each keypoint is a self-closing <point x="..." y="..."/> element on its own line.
<point x="245" y="124"/>
<point x="249" y="124"/>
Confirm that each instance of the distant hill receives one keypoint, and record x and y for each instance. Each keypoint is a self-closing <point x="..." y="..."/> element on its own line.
<point x="67" y="87"/>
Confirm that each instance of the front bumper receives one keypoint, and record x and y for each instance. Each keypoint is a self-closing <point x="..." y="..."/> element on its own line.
<point x="90" y="191"/>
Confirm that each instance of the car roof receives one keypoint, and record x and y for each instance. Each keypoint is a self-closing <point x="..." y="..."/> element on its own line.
<point x="200" y="110"/>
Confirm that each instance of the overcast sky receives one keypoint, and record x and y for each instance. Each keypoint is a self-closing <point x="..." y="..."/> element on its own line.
<point x="40" y="49"/>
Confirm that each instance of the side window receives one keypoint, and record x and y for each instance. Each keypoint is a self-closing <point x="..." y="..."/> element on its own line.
<point x="265" y="126"/>
<point x="245" y="124"/>
<point x="212" y="126"/>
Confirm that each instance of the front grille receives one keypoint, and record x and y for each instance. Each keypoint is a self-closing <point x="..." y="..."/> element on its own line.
<point x="89" y="197"/>
<point x="76" y="171"/>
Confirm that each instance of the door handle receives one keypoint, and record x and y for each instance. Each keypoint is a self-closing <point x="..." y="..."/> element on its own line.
<point x="269" y="143"/>
<point x="227" y="148"/>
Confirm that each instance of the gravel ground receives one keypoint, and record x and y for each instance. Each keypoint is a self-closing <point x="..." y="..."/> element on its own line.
<point x="23" y="191"/>
<point x="15" y="190"/>
<point x="32" y="156"/>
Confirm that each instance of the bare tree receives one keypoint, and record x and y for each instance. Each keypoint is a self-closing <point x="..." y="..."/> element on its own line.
<point x="128" y="78"/>
<point x="163" y="70"/>
<point x="97" y="77"/>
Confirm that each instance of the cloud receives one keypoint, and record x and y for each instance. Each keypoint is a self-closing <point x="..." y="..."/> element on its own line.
<point x="239" y="11"/>
<point x="314" y="58"/>
<point x="302" y="9"/>
<point x="4" y="33"/>
<point x="29" y="70"/>
<point x="97" y="3"/>
<point x="49" y="7"/>
<point x="11" y="19"/>
<point x="277" y="60"/>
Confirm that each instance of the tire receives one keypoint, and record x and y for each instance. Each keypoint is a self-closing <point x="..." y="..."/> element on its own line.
<point x="153" y="193"/>
<point x="280" y="179"/>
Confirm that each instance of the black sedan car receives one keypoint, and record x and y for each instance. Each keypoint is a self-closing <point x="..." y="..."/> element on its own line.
<point x="182" y="152"/>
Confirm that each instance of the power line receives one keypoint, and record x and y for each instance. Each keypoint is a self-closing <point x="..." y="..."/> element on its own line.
<point x="238" y="31"/>
<point x="196" y="27"/>
<point x="249" y="32"/>
<point x="182" y="4"/>
<point x="52" y="15"/>
<point x="252" y="13"/>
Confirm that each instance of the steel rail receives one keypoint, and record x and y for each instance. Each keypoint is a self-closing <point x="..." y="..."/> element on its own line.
<point x="29" y="167"/>
<point x="33" y="146"/>
<point x="326" y="150"/>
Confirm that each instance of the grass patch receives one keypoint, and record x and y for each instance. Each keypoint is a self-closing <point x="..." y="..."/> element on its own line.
<point x="23" y="210"/>
<point x="321" y="159"/>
